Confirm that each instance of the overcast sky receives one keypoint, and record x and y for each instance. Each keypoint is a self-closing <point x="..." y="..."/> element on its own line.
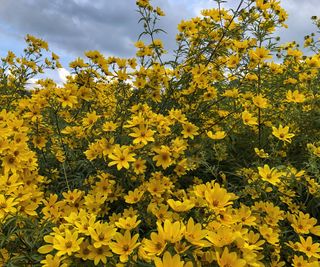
<point x="110" y="26"/>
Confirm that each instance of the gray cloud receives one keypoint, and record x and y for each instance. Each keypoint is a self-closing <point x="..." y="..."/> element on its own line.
<point x="111" y="26"/>
<point x="299" y="22"/>
<point x="77" y="25"/>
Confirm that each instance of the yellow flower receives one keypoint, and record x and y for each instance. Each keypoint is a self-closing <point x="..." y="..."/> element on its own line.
<point x="270" y="175"/>
<point x="314" y="149"/>
<point x="172" y="232"/>
<point x="53" y="261"/>
<point x="155" y="246"/>
<point x="194" y="234"/>
<point x="248" y="118"/>
<point x="179" y="206"/>
<point x="124" y="245"/>
<point x="128" y="223"/>
<point x="66" y="98"/>
<point x="90" y="119"/>
<point x="229" y="259"/>
<point x="261" y="153"/>
<point x="244" y="215"/>
<point x="259" y="54"/>
<point x="134" y="196"/>
<point x="121" y="157"/>
<point x="85" y="223"/>
<point x="295" y="97"/>
<point x="101" y="234"/>
<point x="269" y="234"/>
<point x="303" y="224"/>
<point x="139" y="166"/>
<point x="217" y="135"/>
<point x="7" y="205"/>
<point x="163" y="158"/>
<point x="39" y="141"/>
<point x="189" y="130"/>
<point x="222" y="236"/>
<point x="67" y="244"/>
<point x="99" y="254"/>
<point x="155" y="187"/>
<point x="109" y="126"/>
<point x="218" y="198"/>
<point x="308" y="247"/>
<point x="260" y="101"/>
<point x="300" y="262"/>
<point x="169" y="261"/>
<point x="282" y="133"/>
<point x="161" y="212"/>
<point x="250" y="241"/>
<point x="142" y="135"/>
<point x="233" y="93"/>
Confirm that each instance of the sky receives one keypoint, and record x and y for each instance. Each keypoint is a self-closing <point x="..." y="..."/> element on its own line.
<point x="111" y="26"/>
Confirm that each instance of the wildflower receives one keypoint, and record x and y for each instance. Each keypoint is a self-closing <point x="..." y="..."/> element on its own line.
<point x="84" y="251"/>
<point x="218" y="198"/>
<point x="251" y="241"/>
<point x="134" y="196"/>
<point x="101" y="234"/>
<point x="155" y="187"/>
<point x="217" y="135"/>
<point x="66" y="98"/>
<point x="163" y="158"/>
<point x="270" y="175"/>
<point x="179" y="206"/>
<point x="260" y="101"/>
<point x="233" y="93"/>
<point x="303" y="224"/>
<point x="269" y="234"/>
<point x="121" y="157"/>
<point x="7" y="205"/>
<point x="223" y="235"/>
<point x="162" y="213"/>
<point x="299" y="261"/>
<point x="245" y="216"/>
<point x="128" y="223"/>
<point x="189" y="130"/>
<point x="90" y="119"/>
<point x="154" y="246"/>
<point x="259" y="54"/>
<point x="67" y="244"/>
<point x="124" y="245"/>
<point x="261" y="153"/>
<point x="227" y="259"/>
<point x="99" y="254"/>
<point x="309" y="248"/>
<point x="169" y="261"/>
<point x="53" y="261"/>
<point x="195" y="234"/>
<point x="248" y="118"/>
<point x="109" y="126"/>
<point x="172" y="232"/>
<point x="39" y="141"/>
<point x="295" y="97"/>
<point x="282" y="133"/>
<point x="142" y="135"/>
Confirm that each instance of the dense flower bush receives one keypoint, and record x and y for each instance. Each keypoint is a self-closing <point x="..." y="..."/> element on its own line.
<point x="210" y="159"/>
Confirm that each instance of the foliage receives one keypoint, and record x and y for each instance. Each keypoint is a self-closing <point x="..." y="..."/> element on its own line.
<point x="209" y="159"/>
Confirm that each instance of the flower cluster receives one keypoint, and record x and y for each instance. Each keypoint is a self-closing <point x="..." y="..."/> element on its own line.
<point x="211" y="159"/>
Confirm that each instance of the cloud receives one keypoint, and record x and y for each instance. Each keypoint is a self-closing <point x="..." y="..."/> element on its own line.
<point x="111" y="26"/>
<point x="299" y="21"/>
<point x="76" y="26"/>
<point x="63" y="73"/>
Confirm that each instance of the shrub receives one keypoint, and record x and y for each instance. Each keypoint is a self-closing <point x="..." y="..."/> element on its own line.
<point x="210" y="159"/>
